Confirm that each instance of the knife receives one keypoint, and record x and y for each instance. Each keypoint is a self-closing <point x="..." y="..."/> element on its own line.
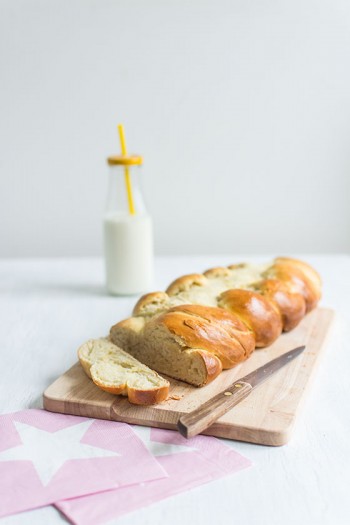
<point x="201" y="418"/>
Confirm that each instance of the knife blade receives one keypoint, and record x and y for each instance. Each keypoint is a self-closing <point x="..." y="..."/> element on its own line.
<point x="202" y="417"/>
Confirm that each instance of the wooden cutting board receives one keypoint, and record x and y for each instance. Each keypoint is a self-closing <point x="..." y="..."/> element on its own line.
<point x="266" y="416"/>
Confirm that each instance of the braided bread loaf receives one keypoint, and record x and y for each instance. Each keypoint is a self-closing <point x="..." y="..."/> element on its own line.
<point x="208" y="322"/>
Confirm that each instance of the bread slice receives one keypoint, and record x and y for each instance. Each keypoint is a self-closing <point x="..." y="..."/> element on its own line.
<point x="117" y="372"/>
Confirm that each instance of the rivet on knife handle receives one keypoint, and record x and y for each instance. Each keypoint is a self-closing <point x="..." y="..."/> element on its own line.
<point x="191" y="424"/>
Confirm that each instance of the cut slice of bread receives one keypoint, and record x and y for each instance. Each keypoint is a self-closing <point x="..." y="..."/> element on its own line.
<point x="117" y="372"/>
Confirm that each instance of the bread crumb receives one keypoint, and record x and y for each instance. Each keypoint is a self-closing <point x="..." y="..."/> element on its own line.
<point x="174" y="397"/>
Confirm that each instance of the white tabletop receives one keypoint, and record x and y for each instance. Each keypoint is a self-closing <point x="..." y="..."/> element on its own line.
<point x="49" y="306"/>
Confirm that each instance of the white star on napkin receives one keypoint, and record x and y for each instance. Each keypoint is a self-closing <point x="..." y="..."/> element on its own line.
<point x="159" y="449"/>
<point x="50" y="450"/>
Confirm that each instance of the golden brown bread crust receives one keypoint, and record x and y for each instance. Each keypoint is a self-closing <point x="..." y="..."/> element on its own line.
<point x="184" y="283"/>
<point x="212" y="364"/>
<point x="156" y="299"/>
<point x="236" y="266"/>
<point x="258" y="313"/>
<point x="148" y="397"/>
<point x="299" y="277"/>
<point x="309" y="272"/>
<point x="218" y="271"/>
<point x="137" y="396"/>
<point x="232" y="325"/>
<point x="292" y="306"/>
<point x="212" y="329"/>
<point x="120" y="390"/>
<point x="136" y="324"/>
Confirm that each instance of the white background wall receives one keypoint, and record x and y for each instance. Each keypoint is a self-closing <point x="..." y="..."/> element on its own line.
<point x="241" y="109"/>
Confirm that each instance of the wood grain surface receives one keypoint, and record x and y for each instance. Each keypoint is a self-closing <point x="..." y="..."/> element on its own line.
<point x="266" y="416"/>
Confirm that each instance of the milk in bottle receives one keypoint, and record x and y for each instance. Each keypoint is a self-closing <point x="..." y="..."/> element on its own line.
<point x="128" y="239"/>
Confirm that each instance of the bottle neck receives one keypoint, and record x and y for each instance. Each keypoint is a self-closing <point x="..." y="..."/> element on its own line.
<point x="119" y="200"/>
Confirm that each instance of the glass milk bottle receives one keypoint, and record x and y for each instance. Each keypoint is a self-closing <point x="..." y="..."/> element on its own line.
<point x="128" y="238"/>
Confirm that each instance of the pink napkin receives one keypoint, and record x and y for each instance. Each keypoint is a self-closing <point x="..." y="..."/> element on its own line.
<point x="189" y="463"/>
<point x="47" y="457"/>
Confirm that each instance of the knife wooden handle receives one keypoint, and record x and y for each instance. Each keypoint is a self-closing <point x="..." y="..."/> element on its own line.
<point x="201" y="418"/>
